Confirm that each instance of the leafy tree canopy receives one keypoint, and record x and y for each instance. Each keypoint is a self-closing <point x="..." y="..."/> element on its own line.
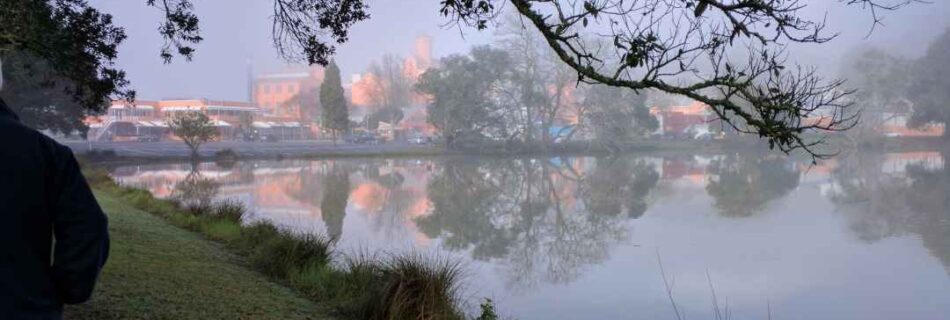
<point x="335" y="115"/>
<point x="928" y="90"/>
<point x="193" y="128"/>
<point x="617" y="114"/>
<point x="57" y="51"/>
<point x="881" y="80"/>
<point x="462" y="93"/>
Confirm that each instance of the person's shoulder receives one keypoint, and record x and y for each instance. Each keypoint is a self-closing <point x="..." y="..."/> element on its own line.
<point x="22" y="137"/>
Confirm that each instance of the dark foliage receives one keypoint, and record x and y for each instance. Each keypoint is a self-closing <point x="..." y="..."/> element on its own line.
<point x="928" y="88"/>
<point x="60" y="58"/>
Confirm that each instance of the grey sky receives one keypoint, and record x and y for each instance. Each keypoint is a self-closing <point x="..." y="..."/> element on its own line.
<point x="236" y="30"/>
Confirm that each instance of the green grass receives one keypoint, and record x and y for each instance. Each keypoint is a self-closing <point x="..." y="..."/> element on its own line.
<point x="158" y="271"/>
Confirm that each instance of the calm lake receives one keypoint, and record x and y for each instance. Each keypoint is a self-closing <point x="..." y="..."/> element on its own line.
<point x="863" y="236"/>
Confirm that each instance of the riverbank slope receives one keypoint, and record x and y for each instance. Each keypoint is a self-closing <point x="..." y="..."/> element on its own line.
<point x="159" y="271"/>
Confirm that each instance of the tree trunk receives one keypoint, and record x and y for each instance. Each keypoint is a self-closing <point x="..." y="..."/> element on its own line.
<point x="194" y="149"/>
<point x="546" y="134"/>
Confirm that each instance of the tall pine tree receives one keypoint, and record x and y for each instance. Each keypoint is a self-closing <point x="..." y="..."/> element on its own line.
<point x="336" y="117"/>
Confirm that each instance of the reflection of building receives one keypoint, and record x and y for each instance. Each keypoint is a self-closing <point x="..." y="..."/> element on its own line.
<point x="689" y="170"/>
<point x="895" y="125"/>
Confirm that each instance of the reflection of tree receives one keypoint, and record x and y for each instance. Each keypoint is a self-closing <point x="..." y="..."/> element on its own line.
<point x="929" y="198"/>
<point x="329" y="188"/>
<point x="882" y="204"/>
<point x="535" y="215"/>
<point x="619" y="186"/>
<point x="336" y="192"/>
<point x="195" y="191"/>
<point x="876" y="200"/>
<point x="461" y="196"/>
<point x="245" y="172"/>
<point x="391" y="180"/>
<point x="743" y="186"/>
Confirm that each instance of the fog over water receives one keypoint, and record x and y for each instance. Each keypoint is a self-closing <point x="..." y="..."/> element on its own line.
<point x="236" y="31"/>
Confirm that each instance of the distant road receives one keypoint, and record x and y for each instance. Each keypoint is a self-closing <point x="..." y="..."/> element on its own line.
<point x="250" y="149"/>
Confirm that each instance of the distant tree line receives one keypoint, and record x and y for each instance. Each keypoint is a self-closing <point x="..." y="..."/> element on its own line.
<point x="889" y="85"/>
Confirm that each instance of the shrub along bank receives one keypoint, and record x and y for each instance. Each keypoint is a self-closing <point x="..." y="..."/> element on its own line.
<point x="363" y="286"/>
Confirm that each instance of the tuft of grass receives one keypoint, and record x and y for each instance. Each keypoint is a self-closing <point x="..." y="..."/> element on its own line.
<point x="254" y="235"/>
<point x="417" y="287"/>
<point x="198" y="208"/>
<point x="350" y="287"/>
<point x="231" y="210"/>
<point x="285" y="253"/>
<point x="488" y="310"/>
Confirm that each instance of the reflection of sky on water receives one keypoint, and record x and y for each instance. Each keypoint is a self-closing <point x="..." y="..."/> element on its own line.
<point x="862" y="237"/>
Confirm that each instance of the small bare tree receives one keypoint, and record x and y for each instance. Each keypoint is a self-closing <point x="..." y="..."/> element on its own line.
<point x="194" y="128"/>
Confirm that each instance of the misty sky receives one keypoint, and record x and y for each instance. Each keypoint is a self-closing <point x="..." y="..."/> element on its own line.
<point x="237" y="31"/>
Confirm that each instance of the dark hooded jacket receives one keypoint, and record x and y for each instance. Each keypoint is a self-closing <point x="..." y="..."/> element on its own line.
<point x="53" y="235"/>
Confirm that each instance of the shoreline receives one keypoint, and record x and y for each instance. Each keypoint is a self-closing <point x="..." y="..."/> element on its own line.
<point x="131" y="153"/>
<point x="166" y="151"/>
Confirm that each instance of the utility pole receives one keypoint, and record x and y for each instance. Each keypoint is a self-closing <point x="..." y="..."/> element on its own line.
<point x="250" y="80"/>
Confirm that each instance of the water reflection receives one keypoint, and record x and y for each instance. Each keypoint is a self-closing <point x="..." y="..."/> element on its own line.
<point x="195" y="190"/>
<point x="336" y="193"/>
<point x="888" y="196"/>
<point x="745" y="185"/>
<point x="536" y="224"/>
<point x="544" y="220"/>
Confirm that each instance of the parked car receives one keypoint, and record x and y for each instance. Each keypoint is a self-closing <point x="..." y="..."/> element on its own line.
<point x="250" y="136"/>
<point x="419" y="140"/>
<point x="705" y="136"/>
<point x="148" y="138"/>
<point x="363" y="138"/>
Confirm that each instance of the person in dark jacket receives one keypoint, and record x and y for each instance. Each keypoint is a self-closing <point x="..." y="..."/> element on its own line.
<point x="53" y="235"/>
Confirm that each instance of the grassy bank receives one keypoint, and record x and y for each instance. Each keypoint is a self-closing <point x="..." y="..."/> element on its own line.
<point x="158" y="271"/>
<point x="364" y="286"/>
